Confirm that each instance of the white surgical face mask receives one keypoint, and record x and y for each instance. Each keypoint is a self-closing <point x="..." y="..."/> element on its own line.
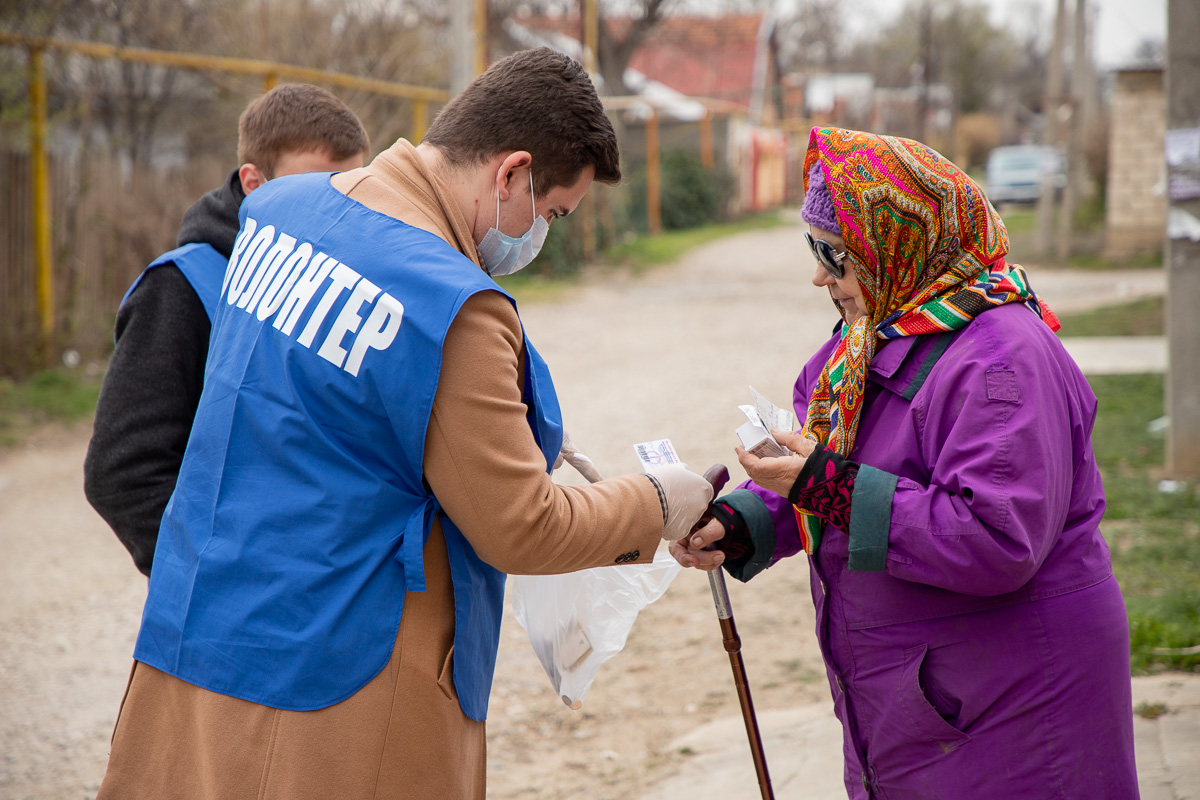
<point x="503" y="255"/>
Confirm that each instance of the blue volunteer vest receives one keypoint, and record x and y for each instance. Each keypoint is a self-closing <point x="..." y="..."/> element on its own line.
<point x="201" y="264"/>
<point x="300" y="515"/>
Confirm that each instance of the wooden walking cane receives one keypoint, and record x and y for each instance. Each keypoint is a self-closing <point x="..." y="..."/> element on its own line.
<point x="718" y="476"/>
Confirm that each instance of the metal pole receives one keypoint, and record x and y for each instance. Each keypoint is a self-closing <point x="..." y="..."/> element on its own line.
<point x="1047" y="207"/>
<point x="591" y="36"/>
<point x="733" y="646"/>
<point x="420" y="121"/>
<point x="481" y="33"/>
<point x="653" y="210"/>
<point x="1182" y="251"/>
<point x="243" y="66"/>
<point x="707" y="152"/>
<point x="1076" y="168"/>
<point x="42" y="255"/>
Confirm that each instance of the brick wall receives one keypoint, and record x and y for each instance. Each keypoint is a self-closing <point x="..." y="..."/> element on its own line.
<point x="1136" y="194"/>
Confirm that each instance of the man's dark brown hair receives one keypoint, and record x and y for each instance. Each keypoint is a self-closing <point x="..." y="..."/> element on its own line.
<point x="536" y="100"/>
<point x="298" y="117"/>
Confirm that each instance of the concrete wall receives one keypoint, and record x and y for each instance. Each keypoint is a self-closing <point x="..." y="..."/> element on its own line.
<point x="1136" y="195"/>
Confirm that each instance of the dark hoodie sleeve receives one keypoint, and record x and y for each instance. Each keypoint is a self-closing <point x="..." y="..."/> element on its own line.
<point x="152" y="388"/>
<point x="147" y="403"/>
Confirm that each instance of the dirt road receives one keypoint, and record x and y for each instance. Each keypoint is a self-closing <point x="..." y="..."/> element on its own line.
<point x="667" y="355"/>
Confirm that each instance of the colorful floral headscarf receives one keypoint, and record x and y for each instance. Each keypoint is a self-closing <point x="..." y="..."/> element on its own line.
<point x="928" y="251"/>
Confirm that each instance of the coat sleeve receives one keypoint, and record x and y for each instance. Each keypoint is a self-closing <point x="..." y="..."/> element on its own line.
<point x="488" y="474"/>
<point x="1000" y="437"/>
<point x="146" y="407"/>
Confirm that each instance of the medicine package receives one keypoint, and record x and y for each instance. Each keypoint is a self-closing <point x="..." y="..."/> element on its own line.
<point x="755" y="435"/>
<point x="577" y="621"/>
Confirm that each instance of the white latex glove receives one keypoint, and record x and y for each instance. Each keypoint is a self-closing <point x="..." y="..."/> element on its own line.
<point x="687" y="496"/>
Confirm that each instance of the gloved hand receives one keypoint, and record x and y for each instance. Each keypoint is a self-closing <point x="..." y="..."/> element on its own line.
<point x="685" y="496"/>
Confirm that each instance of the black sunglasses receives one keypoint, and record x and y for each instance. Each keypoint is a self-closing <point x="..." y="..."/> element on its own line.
<point x="826" y="256"/>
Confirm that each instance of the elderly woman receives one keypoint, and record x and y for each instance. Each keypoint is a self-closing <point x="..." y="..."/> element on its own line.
<point x="946" y="493"/>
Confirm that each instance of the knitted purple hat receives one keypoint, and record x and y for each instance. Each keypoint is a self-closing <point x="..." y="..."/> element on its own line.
<point x="818" y="205"/>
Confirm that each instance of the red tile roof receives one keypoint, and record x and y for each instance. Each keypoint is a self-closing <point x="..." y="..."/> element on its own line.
<point x="697" y="56"/>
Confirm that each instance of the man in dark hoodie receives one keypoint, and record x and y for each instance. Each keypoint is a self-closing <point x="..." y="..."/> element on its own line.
<point x="150" y="393"/>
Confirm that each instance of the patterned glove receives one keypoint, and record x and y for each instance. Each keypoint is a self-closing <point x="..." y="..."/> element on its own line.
<point x="736" y="544"/>
<point x="824" y="487"/>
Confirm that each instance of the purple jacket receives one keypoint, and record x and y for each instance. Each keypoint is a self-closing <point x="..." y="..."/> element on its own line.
<point x="966" y="654"/>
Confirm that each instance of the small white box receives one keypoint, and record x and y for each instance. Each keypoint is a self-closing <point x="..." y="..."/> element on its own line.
<point x="757" y="440"/>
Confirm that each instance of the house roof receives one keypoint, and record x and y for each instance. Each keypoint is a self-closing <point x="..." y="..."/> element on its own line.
<point x="698" y="56"/>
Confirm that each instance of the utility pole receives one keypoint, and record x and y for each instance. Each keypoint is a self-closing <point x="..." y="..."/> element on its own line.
<point x="1051" y="125"/>
<point x="589" y="41"/>
<point x="1182" y="252"/>
<point x="1076" y="166"/>
<point x="926" y="72"/>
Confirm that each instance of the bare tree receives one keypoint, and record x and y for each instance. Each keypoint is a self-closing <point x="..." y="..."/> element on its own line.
<point x="620" y="34"/>
<point x="619" y="39"/>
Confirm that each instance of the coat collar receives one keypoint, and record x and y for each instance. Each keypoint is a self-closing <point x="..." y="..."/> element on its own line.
<point x="902" y="365"/>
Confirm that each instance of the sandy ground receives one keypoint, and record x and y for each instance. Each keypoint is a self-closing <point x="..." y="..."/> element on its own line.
<point x="671" y="355"/>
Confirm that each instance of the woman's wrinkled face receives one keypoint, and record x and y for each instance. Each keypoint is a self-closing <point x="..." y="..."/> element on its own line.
<point x="844" y="290"/>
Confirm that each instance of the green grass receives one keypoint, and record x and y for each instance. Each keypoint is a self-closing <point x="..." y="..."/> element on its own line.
<point x="645" y="251"/>
<point x="1021" y="222"/>
<point x="57" y="395"/>
<point x="1154" y="536"/>
<point x="1139" y="318"/>
<point x="534" y="288"/>
<point x="639" y="254"/>
<point x="1092" y="261"/>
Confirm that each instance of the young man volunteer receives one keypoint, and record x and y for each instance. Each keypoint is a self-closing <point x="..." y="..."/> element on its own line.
<point x="370" y="457"/>
<point x="152" y="386"/>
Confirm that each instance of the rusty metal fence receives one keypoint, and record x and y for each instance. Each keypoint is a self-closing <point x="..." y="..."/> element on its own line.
<point x="37" y="189"/>
<point x="109" y="222"/>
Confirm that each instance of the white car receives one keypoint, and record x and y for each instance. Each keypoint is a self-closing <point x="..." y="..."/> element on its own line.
<point x="1015" y="173"/>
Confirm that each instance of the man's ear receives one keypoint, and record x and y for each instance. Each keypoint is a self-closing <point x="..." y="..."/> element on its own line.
<point x="504" y="175"/>
<point x="251" y="177"/>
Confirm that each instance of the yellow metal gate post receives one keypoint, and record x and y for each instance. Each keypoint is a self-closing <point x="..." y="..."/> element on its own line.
<point x="707" y="154"/>
<point x="42" y="256"/>
<point x="653" y="209"/>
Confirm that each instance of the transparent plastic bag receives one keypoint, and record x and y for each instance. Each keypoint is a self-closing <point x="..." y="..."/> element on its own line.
<point x="577" y="621"/>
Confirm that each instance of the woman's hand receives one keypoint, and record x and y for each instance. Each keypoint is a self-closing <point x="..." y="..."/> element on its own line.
<point x="690" y="550"/>
<point x="777" y="474"/>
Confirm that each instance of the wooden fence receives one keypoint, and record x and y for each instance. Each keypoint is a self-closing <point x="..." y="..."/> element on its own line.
<point x="109" y="221"/>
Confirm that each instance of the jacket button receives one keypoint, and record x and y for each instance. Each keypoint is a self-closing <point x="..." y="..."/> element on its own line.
<point x="625" y="558"/>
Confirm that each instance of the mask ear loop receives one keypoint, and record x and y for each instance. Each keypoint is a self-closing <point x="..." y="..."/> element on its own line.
<point x="532" y="203"/>
<point x="498" y="199"/>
